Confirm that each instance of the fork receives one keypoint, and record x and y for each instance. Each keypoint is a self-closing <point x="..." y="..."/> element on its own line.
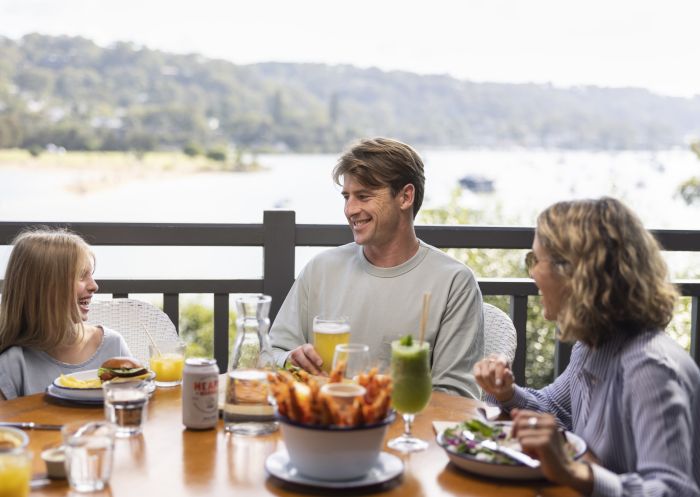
<point x="516" y="455"/>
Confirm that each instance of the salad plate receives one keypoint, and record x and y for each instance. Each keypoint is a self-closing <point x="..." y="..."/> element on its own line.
<point x="483" y="462"/>
<point x="386" y="469"/>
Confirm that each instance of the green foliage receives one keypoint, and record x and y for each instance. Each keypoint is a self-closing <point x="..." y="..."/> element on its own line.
<point x="689" y="190"/>
<point x="75" y="94"/>
<point x="192" y="150"/>
<point x="502" y="263"/>
<point x="540" y="333"/>
<point x="35" y="150"/>
<point x="217" y="154"/>
<point x="197" y="329"/>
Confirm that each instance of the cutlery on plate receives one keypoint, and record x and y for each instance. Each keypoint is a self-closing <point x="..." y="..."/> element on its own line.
<point x="29" y="425"/>
<point x="516" y="455"/>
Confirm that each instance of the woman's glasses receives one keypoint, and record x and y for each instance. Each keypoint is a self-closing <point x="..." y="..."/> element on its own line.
<point x="531" y="261"/>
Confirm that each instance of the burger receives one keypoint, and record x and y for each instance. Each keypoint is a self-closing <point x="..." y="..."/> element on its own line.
<point x="122" y="369"/>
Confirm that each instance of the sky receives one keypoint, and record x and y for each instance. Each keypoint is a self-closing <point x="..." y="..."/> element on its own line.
<point x="650" y="44"/>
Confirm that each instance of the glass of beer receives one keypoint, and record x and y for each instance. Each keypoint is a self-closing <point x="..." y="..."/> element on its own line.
<point x="329" y="332"/>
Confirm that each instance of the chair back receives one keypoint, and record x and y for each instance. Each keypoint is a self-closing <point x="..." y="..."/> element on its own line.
<point x="129" y="317"/>
<point x="499" y="333"/>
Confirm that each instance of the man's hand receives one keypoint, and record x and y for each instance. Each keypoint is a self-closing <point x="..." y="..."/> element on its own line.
<point x="494" y="375"/>
<point x="306" y="357"/>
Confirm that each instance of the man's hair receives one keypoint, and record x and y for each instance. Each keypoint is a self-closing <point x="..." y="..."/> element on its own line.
<point x="39" y="306"/>
<point x="383" y="162"/>
<point x="615" y="279"/>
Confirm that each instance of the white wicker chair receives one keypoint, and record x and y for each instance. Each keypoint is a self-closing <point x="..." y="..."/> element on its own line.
<point x="499" y="333"/>
<point x="128" y="317"/>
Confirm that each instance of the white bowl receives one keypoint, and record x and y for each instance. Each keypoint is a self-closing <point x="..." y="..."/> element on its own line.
<point x="333" y="453"/>
<point x="55" y="458"/>
<point x="12" y="439"/>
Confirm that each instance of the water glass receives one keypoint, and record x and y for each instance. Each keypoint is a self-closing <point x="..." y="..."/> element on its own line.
<point x="15" y="471"/>
<point x="327" y="333"/>
<point x="125" y="405"/>
<point x="167" y="361"/>
<point x="352" y="358"/>
<point x="89" y="452"/>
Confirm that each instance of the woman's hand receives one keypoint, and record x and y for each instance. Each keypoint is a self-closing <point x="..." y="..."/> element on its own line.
<point x="494" y="375"/>
<point x="540" y="437"/>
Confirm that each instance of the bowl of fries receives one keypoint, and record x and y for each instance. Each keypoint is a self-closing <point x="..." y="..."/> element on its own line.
<point x="327" y="436"/>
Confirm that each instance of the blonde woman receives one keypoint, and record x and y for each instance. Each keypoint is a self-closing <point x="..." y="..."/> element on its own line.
<point x="629" y="391"/>
<point x="45" y="301"/>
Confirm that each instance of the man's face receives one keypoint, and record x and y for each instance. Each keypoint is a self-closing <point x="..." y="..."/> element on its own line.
<point x="374" y="214"/>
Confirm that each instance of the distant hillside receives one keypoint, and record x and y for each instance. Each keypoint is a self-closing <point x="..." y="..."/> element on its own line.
<point x="73" y="93"/>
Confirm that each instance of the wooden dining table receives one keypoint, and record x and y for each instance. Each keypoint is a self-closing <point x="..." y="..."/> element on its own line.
<point x="169" y="460"/>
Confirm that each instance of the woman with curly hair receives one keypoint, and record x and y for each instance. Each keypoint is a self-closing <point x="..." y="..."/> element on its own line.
<point x="630" y="391"/>
<point x="45" y="302"/>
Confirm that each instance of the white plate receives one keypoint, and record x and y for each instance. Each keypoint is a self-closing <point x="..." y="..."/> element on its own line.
<point x="387" y="468"/>
<point x="90" y="394"/>
<point x="470" y="463"/>
<point x="57" y="393"/>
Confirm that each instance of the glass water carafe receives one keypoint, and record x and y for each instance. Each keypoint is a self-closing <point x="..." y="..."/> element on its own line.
<point x="247" y="409"/>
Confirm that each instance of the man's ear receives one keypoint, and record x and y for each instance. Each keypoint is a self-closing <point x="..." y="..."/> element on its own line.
<point x="406" y="196"/>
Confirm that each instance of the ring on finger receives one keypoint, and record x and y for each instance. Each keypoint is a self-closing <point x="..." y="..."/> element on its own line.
<point x="532" y="421"/>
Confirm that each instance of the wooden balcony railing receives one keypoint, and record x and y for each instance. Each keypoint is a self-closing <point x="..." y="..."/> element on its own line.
<point x="279" y="235"/>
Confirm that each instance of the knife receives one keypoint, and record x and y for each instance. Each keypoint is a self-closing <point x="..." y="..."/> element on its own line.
<point x="516" y="455"/>
<point x="29" y="425"/>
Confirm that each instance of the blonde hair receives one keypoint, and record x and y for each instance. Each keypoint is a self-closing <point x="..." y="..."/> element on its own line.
<point x="615" y="280"/>
<point x="39" y="306"/>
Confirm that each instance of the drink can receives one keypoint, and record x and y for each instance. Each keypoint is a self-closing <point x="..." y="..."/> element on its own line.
<point x="200" y="393"/>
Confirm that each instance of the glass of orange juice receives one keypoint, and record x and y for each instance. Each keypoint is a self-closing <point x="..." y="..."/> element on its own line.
<point x="167" y="360"/>
<point x="327" y="333"/>
<point x="15" y="472"/>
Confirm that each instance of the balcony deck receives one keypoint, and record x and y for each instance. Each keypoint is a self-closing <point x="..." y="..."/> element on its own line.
<point x="279" y="236"/>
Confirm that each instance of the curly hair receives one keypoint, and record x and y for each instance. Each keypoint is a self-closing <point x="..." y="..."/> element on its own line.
<point x="383" y="162"/>
<point x="615" y="278"/>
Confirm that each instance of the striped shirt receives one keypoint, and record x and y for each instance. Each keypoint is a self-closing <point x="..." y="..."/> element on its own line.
<point x="636" y="403"/>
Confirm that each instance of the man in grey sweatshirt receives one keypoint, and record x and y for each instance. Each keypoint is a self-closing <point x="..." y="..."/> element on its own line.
<point x="378" y="281"/>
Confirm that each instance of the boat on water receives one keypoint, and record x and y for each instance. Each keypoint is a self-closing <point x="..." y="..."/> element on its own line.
<point x="476" y="184"/>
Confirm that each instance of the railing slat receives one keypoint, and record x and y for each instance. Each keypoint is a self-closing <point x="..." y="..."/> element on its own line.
<point x="171" y="306"/>
<point x="694" y="338"/>
<point x="518" y="314"/>
<point x="562" y="355"/>
<point x="221" y="317"/>
<point x="279" y="256"/>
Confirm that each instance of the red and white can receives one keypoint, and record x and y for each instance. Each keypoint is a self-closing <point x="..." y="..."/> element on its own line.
<point x="200" y="393"/>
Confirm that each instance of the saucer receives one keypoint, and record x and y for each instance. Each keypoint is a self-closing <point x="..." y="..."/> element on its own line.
<point x="387" y="468"/>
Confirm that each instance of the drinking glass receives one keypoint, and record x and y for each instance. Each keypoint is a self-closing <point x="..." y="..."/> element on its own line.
<point x="167" y="360"/>
<point x="125" y="406"/>
<point x="410" y="371"/>
<point x="353" y="358"/>
<point x="89" y="453"/>
<point x="15" y="471"/>
<point x="327" y="333"/>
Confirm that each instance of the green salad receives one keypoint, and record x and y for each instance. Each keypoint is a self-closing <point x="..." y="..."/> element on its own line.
<point x="455" y="442"/>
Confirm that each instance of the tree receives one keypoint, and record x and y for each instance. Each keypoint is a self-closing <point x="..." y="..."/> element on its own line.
<point x="689" y="190"/>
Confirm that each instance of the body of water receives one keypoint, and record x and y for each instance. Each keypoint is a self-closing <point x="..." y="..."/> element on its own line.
<point x="525" y="182"/>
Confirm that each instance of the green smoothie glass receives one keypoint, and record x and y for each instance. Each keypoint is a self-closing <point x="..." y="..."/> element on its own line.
<point x="410" y="372"/>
